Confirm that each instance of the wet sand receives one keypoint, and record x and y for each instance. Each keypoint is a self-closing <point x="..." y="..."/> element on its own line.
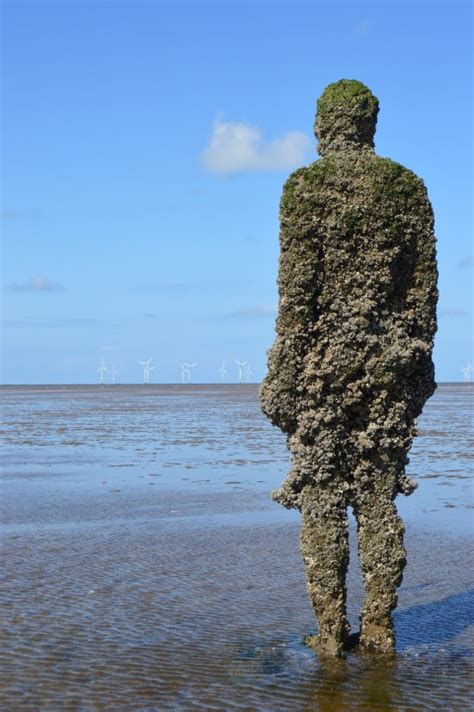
<point x="146" y="568"/>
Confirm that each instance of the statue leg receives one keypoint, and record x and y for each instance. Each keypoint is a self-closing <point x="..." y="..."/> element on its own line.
<point x="382" y="559"/>
<point x="325" y="549"/>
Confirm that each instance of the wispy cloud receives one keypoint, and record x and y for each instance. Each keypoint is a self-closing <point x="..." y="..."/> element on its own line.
<point x="150" y="315"/>
<point x="363" y="27"/>
<point x="466" y="262"/>
<point x="37" y="284"/>
<point x="203" y="285"/>
<point x="74" y="323"/>
<point x="452" y="312"/>
<point x="13" y="323"/>
<point x="235" y="147"/>
<point x="12" y="214"/>
<point x="254" y="312"/>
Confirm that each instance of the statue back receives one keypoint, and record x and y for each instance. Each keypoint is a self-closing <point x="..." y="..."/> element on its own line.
<point x="357" y="276"/>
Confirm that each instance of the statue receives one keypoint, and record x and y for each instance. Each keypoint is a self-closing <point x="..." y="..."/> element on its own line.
<point x="351" y="366"/>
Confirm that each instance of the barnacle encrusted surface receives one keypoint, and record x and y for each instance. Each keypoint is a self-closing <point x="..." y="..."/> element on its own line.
<point x="351" y="367"/>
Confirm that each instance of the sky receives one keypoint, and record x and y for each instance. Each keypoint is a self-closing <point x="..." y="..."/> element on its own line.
<point x="144" y="149"/>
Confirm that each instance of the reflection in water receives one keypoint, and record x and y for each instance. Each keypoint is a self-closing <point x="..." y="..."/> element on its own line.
<point x="365" y="683"/>
<point x="191" y="595"/>
<point x="376" y="686"/>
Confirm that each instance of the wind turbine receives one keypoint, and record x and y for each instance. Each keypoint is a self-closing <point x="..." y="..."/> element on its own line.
<point x="189" y="367"/>
<point x="101" y="370"/>
<point x="146" y="370"/>
<point x="467" y="373"/>
<point x="240" y="364"/>
<point x="149" y="368"/>
<point x="249" y="373"/>
<point x="114" y="373"/>
<point x="222" y="372"/>
<point x="184" y="373"/>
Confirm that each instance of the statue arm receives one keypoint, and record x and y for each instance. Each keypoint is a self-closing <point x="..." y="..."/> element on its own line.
<point x="297" y="287"/>
<point x="422" y="295"/>
<point x="419" y="316"/>
<point x="413" y="325"/>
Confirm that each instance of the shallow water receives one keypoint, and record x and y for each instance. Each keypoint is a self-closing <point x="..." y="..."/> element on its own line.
<point x="146" y="567"/>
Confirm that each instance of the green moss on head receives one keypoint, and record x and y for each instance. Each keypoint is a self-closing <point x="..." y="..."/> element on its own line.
<point x="346" y="116"/>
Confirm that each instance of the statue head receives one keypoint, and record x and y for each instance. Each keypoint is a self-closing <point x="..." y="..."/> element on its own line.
<point x="346" y="117"/>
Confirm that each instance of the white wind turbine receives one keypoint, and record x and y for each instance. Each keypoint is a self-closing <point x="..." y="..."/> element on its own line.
<point x="114" y="373"/>
<point x="222" y="371"/>
<point x="248" y="373"/>
<point x="184" y="373"/>
<point x="146" y="370"/>
<point x="467" y="373"/>
<point x="189" y="367"/>
<point x="101" y="370"/>
<point x="240" y="364"/>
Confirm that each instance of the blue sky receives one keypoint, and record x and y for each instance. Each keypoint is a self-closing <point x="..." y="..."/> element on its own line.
<point x="145" y="146"/>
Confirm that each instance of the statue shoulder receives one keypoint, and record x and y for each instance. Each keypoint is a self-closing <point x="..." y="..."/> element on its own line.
<point x="302" y="185"/>
<point x="392" y="179"/>
<point x="292" y="184"/>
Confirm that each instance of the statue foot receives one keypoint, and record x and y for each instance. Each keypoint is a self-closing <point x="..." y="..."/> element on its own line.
<point x="377" y="638"/>
<point x="328" y="644"/>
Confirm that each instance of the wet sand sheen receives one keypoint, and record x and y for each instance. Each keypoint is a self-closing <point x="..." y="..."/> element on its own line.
<point x="156" y="598"/>
<point x="154" y="613"/>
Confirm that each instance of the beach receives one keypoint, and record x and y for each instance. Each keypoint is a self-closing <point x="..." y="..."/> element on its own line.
<point x="147" y="568"/>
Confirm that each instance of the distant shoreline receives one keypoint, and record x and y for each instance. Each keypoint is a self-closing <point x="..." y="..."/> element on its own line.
<point x="180" y="386"/>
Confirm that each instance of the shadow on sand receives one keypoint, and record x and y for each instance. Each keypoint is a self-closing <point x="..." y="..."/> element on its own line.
<point x="434" y="623"/>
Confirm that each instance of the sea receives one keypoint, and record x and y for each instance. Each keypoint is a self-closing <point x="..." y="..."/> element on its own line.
<point x="145" y="566"/>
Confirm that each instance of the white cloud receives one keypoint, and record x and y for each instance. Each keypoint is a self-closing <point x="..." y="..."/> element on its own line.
<point x="37" y="284"/>
<point x="466" y="262"/>
<point x="452" y="312"/>
<point x="255" y="312"/>
<point x="235" y="147"/>
<point x="11" y="214"/>
<point x="75" y="322"/>
<point x="363" y="27"/>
